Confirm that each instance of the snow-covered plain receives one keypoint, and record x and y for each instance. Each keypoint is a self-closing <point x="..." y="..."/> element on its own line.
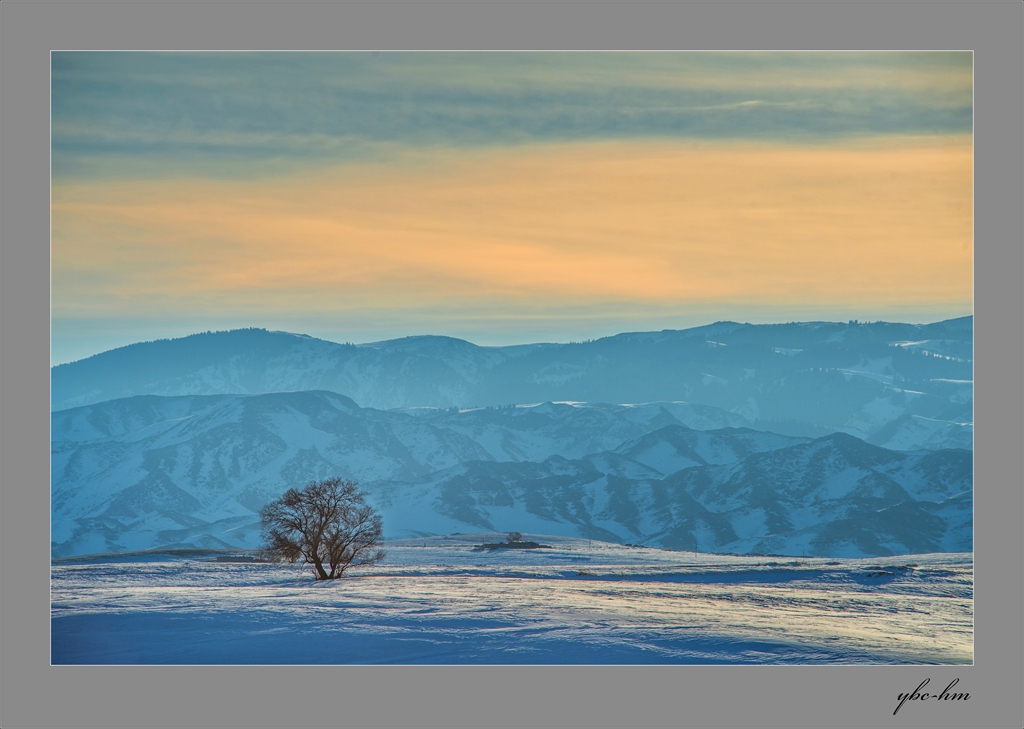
<point x="439" y="600"/>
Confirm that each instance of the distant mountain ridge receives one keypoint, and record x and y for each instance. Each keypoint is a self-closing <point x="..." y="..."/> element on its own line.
<point x="897" y="385"/>
<point x="804" y="438"/>
<point x="152" y="471"/>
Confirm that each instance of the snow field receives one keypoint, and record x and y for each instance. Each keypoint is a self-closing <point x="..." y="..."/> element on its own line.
<point x="440" y="601"/>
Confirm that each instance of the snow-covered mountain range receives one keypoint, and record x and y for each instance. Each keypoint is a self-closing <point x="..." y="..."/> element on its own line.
<point x="159" y="471"/>
<point x="901" y="386"/>
<point x="832" y="496"/>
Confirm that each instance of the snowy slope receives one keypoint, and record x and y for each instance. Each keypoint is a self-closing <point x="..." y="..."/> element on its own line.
<point x="193" y="471"/>
<point x="148" y="470"/>
<point x="834" y="496"/>
<point x="440" y="601"/>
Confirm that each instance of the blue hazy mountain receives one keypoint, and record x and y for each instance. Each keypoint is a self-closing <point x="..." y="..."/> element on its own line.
<point x="901" y="386"/>
<point x="833" y="496"/>
<point x="127" y="473"/>
<point x="153" y="471"/>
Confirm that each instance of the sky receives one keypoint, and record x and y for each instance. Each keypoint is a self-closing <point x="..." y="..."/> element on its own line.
<point x="504" y="198"/>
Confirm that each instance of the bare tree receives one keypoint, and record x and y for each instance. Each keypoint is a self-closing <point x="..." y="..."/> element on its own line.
<point x="514" y="537"/>
<point x="326" y="524"/>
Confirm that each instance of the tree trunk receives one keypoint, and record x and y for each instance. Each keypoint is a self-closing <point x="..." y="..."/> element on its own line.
<point x="321" y="573"/>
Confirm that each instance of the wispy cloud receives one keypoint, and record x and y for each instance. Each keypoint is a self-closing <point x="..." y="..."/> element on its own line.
<point x="138" y="107"/>
<point x="506" y="192"/>
<point x="595" y="222"/>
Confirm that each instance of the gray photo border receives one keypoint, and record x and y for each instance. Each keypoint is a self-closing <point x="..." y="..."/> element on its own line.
<point x="34" y="694"/>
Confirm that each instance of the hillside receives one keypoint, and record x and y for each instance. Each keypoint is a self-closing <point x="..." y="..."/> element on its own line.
<point x="150" y="471"/>
<point x="899" y="386"/>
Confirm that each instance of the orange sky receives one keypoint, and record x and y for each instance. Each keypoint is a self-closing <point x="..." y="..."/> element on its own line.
<point x="885" y="222"/>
